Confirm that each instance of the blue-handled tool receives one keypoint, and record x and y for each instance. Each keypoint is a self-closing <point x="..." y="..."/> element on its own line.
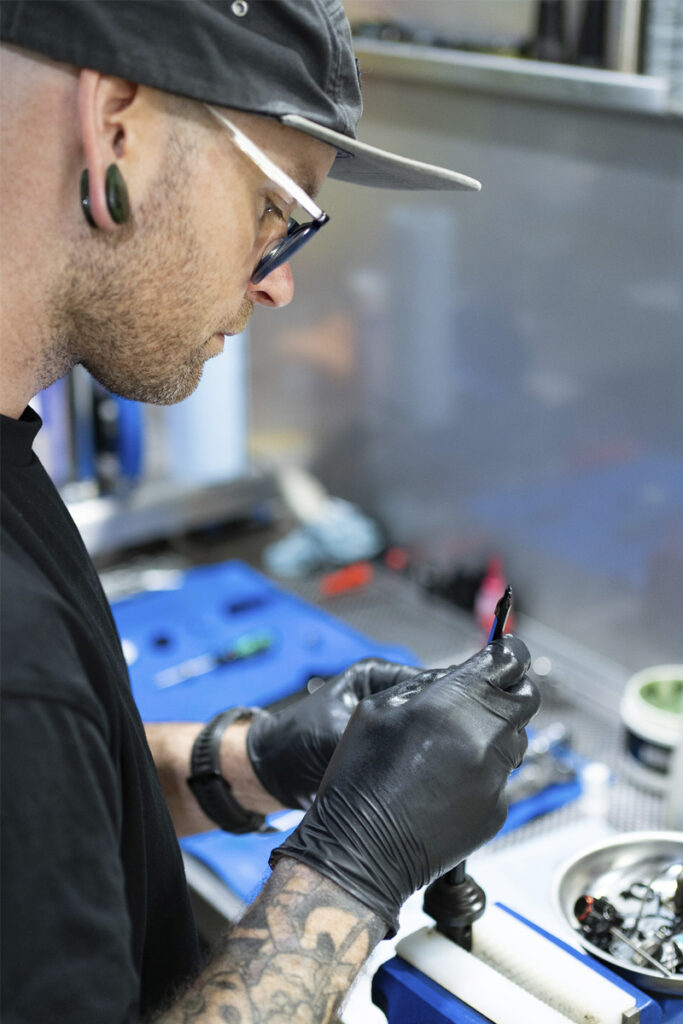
<point x="501" y="615"/>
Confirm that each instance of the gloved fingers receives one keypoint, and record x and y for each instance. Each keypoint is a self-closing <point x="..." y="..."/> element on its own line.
<point x="502" y="663"/>
<point x="494" y="678"/>
<point x="405" y="690"/>
<point x="514" y="707"/>
<point x="522" y="742"/>
<point x="510" y="661"/>
<point x="372" y="675"/>
<point x="526" y="697"/>
<point x="512" y="751"/>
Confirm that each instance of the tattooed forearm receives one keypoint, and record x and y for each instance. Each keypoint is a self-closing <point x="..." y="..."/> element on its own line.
<point x="290" y="960"/>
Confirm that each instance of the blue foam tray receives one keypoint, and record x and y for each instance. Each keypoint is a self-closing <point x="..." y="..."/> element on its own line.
<point x="213" y="608"/>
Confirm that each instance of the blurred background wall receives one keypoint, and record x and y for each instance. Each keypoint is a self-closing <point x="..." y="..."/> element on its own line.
<point x="502" y="371"/>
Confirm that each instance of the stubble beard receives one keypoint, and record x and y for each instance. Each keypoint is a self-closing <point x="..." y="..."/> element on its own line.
<point x="129" y="311"/>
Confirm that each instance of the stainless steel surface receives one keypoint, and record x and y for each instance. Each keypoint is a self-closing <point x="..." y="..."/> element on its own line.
<point x="538" y="80"/>
<point x="608" y="868"/>
<point x="503" y="371"/>
<point x="161" y="509"/>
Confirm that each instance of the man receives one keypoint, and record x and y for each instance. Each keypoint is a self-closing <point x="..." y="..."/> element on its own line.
<point x="152" y="155"/>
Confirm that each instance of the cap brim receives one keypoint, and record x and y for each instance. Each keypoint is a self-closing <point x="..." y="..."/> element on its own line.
<point x="361" y="164"/>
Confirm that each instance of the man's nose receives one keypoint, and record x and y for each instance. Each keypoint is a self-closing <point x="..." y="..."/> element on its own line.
<point x="277" y="289"/>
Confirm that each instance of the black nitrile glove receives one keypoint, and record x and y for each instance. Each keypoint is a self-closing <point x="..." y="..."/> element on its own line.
<point x="290" y="749"/>
<point x="417" y="781"/>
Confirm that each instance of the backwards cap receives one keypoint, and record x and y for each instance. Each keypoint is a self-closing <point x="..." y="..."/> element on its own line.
<point x="292" y="60"/>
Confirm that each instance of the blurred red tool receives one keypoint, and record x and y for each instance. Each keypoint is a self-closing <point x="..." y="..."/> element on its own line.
<point x="351" y="577"/>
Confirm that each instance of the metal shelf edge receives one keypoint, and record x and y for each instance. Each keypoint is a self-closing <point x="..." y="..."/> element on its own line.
<point x="158" y="510"/>
<point x="513" y="76"/>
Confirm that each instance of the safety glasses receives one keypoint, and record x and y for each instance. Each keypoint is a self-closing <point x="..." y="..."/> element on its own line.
<point x="297" y="234"/>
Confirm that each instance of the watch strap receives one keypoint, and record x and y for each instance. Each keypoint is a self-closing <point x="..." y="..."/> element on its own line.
<point x="211" y="790"/>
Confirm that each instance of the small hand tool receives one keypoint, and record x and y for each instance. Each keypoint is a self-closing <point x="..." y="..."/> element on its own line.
<point x="501" y="615"/>
<point x="246" y="646"/>
<point x="455" y="900"/>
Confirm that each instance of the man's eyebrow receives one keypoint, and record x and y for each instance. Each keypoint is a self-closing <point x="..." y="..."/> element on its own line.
<point x="304" y="181"/>
<point x="307" y="184"/>
<point x="303" y="178"/>
<point x="310" y="187"/>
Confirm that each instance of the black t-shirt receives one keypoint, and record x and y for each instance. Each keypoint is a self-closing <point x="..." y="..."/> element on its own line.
<point x="97" y="924"/>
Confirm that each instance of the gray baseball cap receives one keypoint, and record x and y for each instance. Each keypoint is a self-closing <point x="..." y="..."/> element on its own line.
<point x="292" y="60"/>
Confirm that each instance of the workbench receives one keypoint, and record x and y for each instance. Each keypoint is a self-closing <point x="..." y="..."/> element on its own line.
<point x="580" y="688"/>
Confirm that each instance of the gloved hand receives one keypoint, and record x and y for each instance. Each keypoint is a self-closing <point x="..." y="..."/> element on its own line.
<point x="417" y="781"/>
<point x="290" y="749"/>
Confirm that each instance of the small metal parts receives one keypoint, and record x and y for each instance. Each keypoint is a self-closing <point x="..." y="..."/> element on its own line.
<point x="652" y="935"/>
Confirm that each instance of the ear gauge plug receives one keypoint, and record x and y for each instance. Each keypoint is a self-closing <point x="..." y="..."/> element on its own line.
<point x="116" y="195"/>
<point x="85" y="199"/>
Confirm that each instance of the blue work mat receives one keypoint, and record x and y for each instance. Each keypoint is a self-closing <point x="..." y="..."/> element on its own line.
<point x="218" y="609"/>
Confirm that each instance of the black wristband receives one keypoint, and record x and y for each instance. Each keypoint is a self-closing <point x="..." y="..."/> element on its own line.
<point x="212" y="792"/>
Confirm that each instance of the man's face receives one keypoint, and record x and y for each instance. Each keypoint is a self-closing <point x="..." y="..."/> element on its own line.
<point x="143" y="308"/>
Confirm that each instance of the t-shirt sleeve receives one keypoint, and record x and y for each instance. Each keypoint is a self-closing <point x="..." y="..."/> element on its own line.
<point x="66" y="928"/>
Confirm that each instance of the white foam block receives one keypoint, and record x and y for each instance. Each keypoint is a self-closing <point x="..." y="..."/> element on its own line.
<point x="553" y="975"/>
<point x="515" y="974"/>
<point x="474" y="982"/>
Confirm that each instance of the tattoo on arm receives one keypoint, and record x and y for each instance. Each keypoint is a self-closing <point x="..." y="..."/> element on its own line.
<point x="290" y="960"/>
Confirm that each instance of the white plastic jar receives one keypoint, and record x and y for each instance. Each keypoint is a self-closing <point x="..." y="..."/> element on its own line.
<point x="651" y="711"/>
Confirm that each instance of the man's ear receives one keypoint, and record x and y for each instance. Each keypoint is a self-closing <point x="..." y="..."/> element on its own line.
<point x="102" y="105"/>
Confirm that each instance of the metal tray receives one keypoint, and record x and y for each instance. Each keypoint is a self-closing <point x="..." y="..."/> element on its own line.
<point x="605" y="870"/>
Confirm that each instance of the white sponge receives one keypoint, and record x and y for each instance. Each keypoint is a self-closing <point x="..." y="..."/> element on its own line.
<point x="514" y="974"/>
<point x="559" y="979"/>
